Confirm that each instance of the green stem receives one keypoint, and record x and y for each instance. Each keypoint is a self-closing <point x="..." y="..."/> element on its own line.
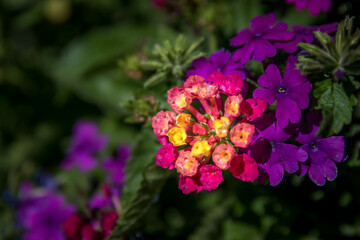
<point x="252" y="82"/>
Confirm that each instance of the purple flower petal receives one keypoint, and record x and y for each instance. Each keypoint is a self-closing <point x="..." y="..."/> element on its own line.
<point x="287" y="109"/>
<point x="279" y="33"/>
<point x="316" y="175"/>
<point x="259" y="23"/>
<point x="276" y="174"/>
<point x="241" y="38"/>
<point x="266" y="94"/>
<point x="244" y="54"/>
<point x="271" y="78"/>
<point x="263" y="49"/>
<point x="333" y="147"/>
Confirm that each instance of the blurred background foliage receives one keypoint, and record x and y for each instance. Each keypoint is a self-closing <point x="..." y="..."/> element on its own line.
<point x="64" y="60"/>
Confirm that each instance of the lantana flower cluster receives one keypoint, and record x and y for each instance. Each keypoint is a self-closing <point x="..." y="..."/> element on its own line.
<point x="215" y="127"/>
<point x="200" y="142"/>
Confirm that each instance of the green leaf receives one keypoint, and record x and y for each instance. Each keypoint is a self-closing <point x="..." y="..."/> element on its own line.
<point x="238" y="230"/>
<point x="142" y="155"/>
<point x="155" y="79"/>
<point x="335" y="106"/>
<point x="154" y="178"/>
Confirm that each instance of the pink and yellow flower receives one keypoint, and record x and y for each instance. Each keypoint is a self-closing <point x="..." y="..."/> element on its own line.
<point x="186" y="164"/>
<point x="222" y="156"/>
<point x="241" y="134"/>
<point x="215" y="134"/>
<point x="179" y="99"/>
<point x="232" y="106"/>
<point x="162" y="122"/>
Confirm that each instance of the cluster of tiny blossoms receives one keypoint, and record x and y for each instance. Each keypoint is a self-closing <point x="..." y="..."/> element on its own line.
<point x="200" y="142"/>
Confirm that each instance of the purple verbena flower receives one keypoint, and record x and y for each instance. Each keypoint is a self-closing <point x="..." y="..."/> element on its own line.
<point x="219" y="61"/>
<point x="115" y="167"/>
<point x="271" y="153"/>
<point x="314" y="6"/>
<point x="322" y="153"/>
<point x="86" y="142"/>
<point x="304" y="34"/>
<point x="290" y="92"/>
<point x="42" y="213"/>
<point x="258" y="42"/>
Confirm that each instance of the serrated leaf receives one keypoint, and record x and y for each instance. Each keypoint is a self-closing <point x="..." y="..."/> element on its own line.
<point x="335" y="106"/>
<point x="154" y="178"/>
<point x="142" y="154"/>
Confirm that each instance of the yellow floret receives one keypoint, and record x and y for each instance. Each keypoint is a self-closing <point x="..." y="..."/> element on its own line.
<point x="181" y="102"/>
<point x="177" y="136"/>
<point x="221" y="127"/>
<point x="201" y="148"/>
<point x="183" y="120"/>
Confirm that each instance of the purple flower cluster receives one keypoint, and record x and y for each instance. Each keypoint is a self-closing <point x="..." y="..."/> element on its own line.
<point x="41" y="213"/>
<point x="273" y="146"/>
<point x="86" y="142"/>
<point x="275" y="155"/>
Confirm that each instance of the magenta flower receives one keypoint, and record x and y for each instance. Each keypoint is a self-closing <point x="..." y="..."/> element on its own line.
<point x="210" y="177"/>
<point x="314" y="6"/>
<point x="86" y="142"/>
<point x="219" y="61"/>
<point x="290" y="92"/>
<point x="304" y="34"/>
<point x="190" y="184"/>
<point x="42" y="215"/>
<point x="230" y="85"/>
<point x="322" y="153"/>
<point x="258" y="42"/>
<point x="166" y="156"/>
<point x="244" y="168"/>
<point x="272" y="154"/>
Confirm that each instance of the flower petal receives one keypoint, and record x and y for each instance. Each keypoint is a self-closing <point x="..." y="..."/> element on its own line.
<point x="263" y="48"/>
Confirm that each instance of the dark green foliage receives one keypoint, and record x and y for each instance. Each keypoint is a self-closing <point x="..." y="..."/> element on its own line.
<point x="338" y="58"/>
<point x="172" y="60"/>
<point x="335" y="105"/>
<point x="144" y="180"/>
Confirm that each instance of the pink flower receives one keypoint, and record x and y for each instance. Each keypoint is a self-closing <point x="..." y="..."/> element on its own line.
<point x="232" y="106"/>
<point x="193" y="83"/>
<point x="223" y="155"/>
<point x="166" y="156"/>
<point x="108" y="221"/>
<point x="162" y="122"/>
<point x="72" y="226"/>
<point x="178" y="99"/>
<point x="253" y="108"/>
<point x="210" y="177"/>
<point x="190" y="184"/>
<point x="186" y="164"/>
<point x="229" y="85"/>
<point x="244" y="168"/>
<point x="241" y="134"/>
